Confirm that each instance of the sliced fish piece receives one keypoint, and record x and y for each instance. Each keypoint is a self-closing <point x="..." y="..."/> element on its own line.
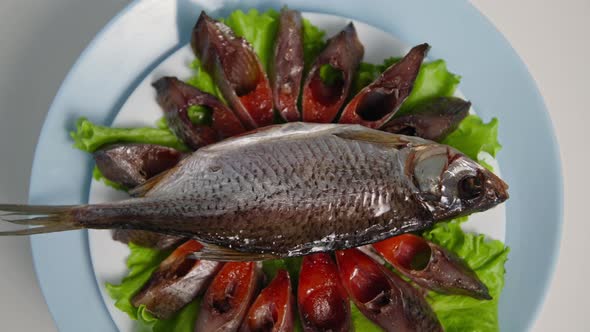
<point x="287" y="65"/>
<point x="323" y="301"/>
<point x="175" y="97"/>
<point x="382" y="296"/>
<point x="131" y="165"/>
<point x="322" y="101"/>
<point x="228" y="298"/>
<point x="236" y="69"/>
<point x="432" y="120"/>
<point x="273" y="308"/>
<point x="177" y="281"/>
<point x="375" y="104"/>
<point x="431" y="266"/>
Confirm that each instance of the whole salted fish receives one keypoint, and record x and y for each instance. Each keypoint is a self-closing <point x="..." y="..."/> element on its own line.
<point x="289" y="190"/>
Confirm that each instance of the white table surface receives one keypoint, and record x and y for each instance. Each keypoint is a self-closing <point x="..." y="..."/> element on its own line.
<point x="40" y="40"/>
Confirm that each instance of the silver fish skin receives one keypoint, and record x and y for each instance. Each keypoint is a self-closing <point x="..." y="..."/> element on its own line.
<point x="298" y="188"/>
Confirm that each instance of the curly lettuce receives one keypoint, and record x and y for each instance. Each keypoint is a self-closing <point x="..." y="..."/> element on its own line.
<point x="202" y="80"/>
<point x="368" y="72"/>
<point x="434" y="80"/>
<point x="90" y="137"/>
<point x="474" y="136"/>
<point x="313" y="43"/>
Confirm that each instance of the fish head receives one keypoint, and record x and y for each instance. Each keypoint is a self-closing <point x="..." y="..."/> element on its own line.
<point x="451" y="184"/>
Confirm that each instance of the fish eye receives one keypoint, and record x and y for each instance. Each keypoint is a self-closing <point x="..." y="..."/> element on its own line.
<point x="470" y="187"/>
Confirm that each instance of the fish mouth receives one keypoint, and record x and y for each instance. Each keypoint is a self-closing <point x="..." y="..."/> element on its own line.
<point x="496" y="192"/>
<point x="497" y="189"/>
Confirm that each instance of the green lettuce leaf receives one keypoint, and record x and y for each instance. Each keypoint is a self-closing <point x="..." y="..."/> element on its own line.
<point x="368" y="72"/>
<point x="183" y="321"/>
<point x="331" y="75"/>
<point x="90" y="137"/>
<point x="200" y="115"/>
<point x="292" y="265"/>
<point x="486" y="258"/>
<point x="141" y="263"/>
<point x="434" y="80"/>
<point x="313" y="43"/>
<point x="361" y="322"/>
<point x="474" y="136"/>
<point x="203" y="81"/>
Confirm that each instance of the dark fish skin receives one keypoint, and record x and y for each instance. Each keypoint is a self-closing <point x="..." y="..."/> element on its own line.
<point x="175" y="97"/>
<point x="131" y="165"/>
<point x="323" y="301"/>
<point x="443" y="272"/>
<point x="383" y="297"/>
<point x="236" y="70"/>
<point x="147" y="239"/>
<point x="177" y="281"/>
<point x="375" y="104"/>
<point x="286" y="69"/>
<point x="321" y="102"/>
<point x="272" y="310"/>
<point x="228" y="298"/>
<point x="432" y="120"/>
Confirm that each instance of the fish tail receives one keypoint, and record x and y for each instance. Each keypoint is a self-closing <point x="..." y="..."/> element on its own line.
<point x="41" y="218"/>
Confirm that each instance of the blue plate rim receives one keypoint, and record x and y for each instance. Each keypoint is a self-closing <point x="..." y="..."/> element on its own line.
<point x="554" y="160"/>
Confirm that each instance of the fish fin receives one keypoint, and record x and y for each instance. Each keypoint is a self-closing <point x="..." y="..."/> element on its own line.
<point x="375" y="137"/>
<point x="144" y="188"/>
<point x="212" y="252"/>
<point x="49" y="219"/>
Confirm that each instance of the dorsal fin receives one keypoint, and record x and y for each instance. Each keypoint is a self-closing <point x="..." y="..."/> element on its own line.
<point x="375" y="137"/>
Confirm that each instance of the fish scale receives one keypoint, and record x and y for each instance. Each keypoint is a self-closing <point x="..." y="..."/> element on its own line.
<point x="298" y="185"/>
